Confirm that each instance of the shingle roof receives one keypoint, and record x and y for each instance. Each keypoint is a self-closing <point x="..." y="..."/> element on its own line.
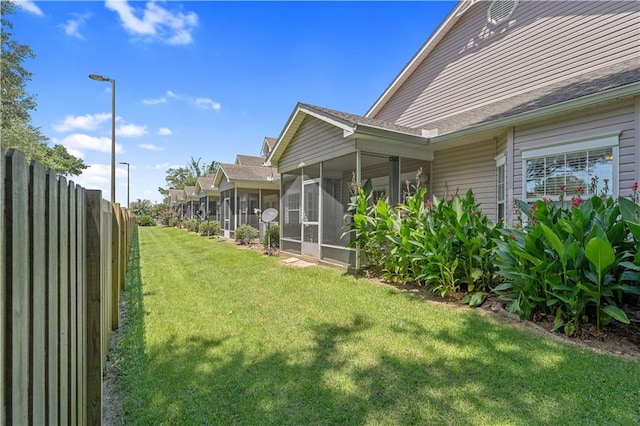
<point x="176" y="195"/>
<point x="190" y="191"/>
<point x="244" y="172"/>
<point x="610" y="77"/>
<point x="249" y="160"/>
<point x="205" y="182"/>
<point x="271" y="142"/>
<point x="354" y="120"/>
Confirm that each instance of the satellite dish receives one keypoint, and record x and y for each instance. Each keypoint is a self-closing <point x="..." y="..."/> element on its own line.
<point x="269" y="215"/>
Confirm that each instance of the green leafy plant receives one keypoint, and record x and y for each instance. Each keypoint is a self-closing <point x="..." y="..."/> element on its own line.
<point x="146" y="221"/>
<point x="271" y="238"/>
<point x="191" y="225"/>
<point x="209" y="228"/>
<point x="569" y="263"/>
<point x="245" y="234"/>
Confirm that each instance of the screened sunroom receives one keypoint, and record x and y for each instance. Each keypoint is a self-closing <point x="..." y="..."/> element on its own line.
<point x="321" y="155"/>
<point x="245" y="191"/>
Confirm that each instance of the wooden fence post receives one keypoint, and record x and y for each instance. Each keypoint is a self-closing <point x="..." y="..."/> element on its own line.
<point x="115" y="265"/>
<point x="73" y="308"/>
<point x="3" y="358"/>
<point x="63" y="301"/>
<point x="52" y="302"/>
<point x="37" y="291"/>
<point x="94" y="309"/>
<point x="81" y="306"/>
<point x="17" y="292"/>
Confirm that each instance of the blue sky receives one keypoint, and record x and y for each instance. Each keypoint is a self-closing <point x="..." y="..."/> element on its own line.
<point x="204" y="79"/>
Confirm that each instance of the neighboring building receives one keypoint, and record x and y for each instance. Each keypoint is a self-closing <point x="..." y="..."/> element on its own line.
<point x="177" y="199"/>
<point x="191" y="204"/>
<point x="209" y="198"/>
<point x="246" y="188"/>
<point x="509" y="98"/>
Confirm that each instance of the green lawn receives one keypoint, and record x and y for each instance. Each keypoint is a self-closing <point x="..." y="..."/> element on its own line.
<point x="220" y="335"/>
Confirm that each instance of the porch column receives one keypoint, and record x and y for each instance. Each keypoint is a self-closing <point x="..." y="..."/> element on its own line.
<point x="394" y="180"/>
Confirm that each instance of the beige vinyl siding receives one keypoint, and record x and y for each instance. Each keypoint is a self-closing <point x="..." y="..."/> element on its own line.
<point x="226" y="186"/>
<point x="591" y="123"/>
<point x="544" y="42"/>
<point x="314" y="141"/>
<point x="465" y="167"/>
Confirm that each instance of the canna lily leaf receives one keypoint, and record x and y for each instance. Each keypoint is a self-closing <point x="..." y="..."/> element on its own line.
<point x="628" y="209"/>
<point x="616" y="313"/>
<point x="553" y="240"/>
<point x="600" y="254"/>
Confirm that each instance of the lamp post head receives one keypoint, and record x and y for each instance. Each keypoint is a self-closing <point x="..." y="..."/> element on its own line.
<point x="99" y="77"/>
<point x="124" y="162"/>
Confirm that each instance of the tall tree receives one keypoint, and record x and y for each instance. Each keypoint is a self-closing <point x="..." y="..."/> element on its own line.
<point x="15" y="119"/>
<point x="179" y="177"/>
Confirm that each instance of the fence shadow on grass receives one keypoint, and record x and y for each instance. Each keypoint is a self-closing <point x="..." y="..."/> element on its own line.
<point x="271" y="389"/>
<point x="474" y="366"/>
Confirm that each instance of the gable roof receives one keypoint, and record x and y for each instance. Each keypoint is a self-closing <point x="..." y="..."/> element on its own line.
<point x="176" y="195"/>
<point x="190" y="191"/>
<point x="245" y="173"/>
<point x="271" y="142"/>
<point x="351" y="124"/>
<point x="205" y="183"/>
<point x="249" y="160"/>
<point x="267" y="146"/>
<point x="423" y="52"/>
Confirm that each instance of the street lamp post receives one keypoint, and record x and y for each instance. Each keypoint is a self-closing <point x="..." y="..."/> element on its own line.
<point x="98" y="77"/>
<point x="124" y="162"/>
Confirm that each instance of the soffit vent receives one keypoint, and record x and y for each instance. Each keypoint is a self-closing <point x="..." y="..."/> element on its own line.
<point x="501" y="10"/>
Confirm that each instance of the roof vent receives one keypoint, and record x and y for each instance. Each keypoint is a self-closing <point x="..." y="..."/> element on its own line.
<point x="501" y="10"/>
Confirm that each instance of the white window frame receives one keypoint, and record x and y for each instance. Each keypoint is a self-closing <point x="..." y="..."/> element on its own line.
<point x="607" y="140"/>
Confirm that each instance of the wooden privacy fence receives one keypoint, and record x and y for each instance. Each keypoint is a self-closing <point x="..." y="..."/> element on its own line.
<point x="63" y="263"/>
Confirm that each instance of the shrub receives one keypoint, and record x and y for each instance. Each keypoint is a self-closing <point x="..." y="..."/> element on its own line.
<point x="246" y="233"/>
<point x="146" y="221"/>
<point x="167" y="218"/>
<point x="444" y="244"/>
<point x="191" y="225"/>
<point x="573" y="263"/>
<point x="172" y="221"/>
<point x="271" y="238"/>
<point x="209" y="227"/>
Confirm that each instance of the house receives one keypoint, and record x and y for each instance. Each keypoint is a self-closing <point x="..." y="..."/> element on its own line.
<point x="191" y="205"/>
<point x="209" y="197"/>
<point x="246" y="188"/>
<point x="509" y="98"/>
<point x="177" y="201"/>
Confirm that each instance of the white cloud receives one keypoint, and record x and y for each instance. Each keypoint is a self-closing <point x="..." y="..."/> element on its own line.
<point x="30" y="6"/>
<point x="207" y="103"/>
<point x="165" y="131"/>
<point x="81" y="122"/>
<point x="155" y="22"/>
<point x="131" y="131"/>
<point x="155" y="101"/>
<point x="204" y="103"/>
<point x="81" y="142"/>
<point x="72" y="26"/>
<point x="166" y="166"/>
<point x="150" y="147"/>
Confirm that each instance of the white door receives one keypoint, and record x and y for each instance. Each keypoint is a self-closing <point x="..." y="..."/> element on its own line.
<point x="311" y="218"/>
